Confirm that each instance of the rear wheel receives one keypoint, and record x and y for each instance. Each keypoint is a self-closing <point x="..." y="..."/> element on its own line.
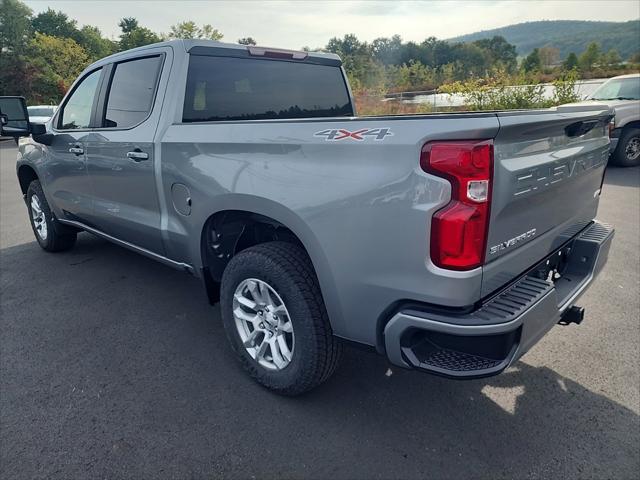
<point x="627" y="153"/>
<point x="275" y="318"/>
<point x="50" y="234"/>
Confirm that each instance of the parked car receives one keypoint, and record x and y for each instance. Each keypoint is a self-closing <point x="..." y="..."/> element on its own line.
<point x="451" y="243"/>
<point x="622" y="94"/>
<point x="41" y="113"/>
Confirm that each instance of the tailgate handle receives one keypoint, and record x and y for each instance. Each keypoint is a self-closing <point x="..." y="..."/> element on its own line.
<point x="580" y="128"/>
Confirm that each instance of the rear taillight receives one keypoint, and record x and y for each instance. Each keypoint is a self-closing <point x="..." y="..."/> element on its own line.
<point x="459" y="230"/>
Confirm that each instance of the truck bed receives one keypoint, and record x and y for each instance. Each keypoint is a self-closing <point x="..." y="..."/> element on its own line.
<point x="364" y="206"/>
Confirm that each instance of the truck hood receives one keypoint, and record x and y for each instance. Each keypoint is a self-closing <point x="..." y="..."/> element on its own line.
<point x="600" y="103"/>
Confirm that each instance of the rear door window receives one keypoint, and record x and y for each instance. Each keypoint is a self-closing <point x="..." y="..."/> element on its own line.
<point x="132" y="92"/>
<point x="229" y="88"/>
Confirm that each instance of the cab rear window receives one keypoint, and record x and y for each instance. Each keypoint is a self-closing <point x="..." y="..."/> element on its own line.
<point x="229" y="88"/>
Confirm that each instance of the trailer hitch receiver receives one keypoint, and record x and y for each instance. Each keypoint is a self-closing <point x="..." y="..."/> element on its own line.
<point x="572" y="315"/>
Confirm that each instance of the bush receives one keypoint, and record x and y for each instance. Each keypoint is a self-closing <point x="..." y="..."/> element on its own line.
<point x="565" y="88"/>
<point x="368" y="104"/>
<point x="504" y="92"/>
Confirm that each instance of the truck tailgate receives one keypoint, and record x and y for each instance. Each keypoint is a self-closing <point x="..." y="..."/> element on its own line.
<point x="548" y="170"/>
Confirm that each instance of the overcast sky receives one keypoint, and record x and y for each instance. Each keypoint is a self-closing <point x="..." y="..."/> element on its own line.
<point x="293" y="24"/>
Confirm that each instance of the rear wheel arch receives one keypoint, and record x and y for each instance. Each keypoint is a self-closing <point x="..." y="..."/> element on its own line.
<point x="228" y="232"/>
<point x="290" y="227"/>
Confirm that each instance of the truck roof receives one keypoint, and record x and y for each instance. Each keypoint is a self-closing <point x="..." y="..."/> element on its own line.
<point x="187" y="45"/>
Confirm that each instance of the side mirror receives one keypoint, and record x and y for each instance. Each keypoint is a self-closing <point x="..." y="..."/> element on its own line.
<point x="39" y="133"/>
<point x="14" y="118"/>
<point x="38" y="129"/>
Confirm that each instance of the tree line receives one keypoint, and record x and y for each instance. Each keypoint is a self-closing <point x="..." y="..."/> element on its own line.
<point x="389" y="64"/>
<point x="41" y="55"/>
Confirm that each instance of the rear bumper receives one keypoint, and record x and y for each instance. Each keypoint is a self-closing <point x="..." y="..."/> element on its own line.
<point x="487" y="340"/>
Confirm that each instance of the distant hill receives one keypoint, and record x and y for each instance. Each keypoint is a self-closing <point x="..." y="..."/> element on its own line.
<point x="566" y="35"/>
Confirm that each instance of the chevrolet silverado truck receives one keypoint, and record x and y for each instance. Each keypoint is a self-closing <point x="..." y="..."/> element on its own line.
<point x="451" y="243"/>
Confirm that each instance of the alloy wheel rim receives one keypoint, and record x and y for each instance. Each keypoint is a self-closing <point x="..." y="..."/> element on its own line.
<point x="38" y="218"/>
<point x="633" y="148"/>
<point x="263" y="324"/>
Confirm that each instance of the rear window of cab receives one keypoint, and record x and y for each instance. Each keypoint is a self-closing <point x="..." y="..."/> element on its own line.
<point x="230" y="88"/>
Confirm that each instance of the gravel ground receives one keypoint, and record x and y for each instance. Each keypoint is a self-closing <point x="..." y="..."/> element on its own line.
<point x="113" y="366"/>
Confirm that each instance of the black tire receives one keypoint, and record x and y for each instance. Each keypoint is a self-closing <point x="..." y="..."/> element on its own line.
<point x="288" y="270"/>
<point x="58" y="237"/>
<point x="622" y="156"/>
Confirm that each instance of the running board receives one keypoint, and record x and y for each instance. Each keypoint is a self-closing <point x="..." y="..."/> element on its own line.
<point x="143" y="251"/>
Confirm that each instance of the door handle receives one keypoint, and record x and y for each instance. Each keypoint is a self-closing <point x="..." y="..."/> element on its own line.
<point x="137" y="155"/>
<point x="76" y="150"/>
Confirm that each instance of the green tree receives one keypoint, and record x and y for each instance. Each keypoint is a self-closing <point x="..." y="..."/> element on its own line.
<point x="387" y="50"/>
<point x="15" y="27"/>
<point x="532" y="63"/>
<point x="362" y="69"/>
<point x="571" y="62"/>
<point x="55" y="24"/>
<point x="133" y="35"/>
<point x="500" y="52"/>
<point x="91" y="39"/>
<point x="549" y="55"/>
<point x="15" y="32"/>
<point x="189" y="29"/>
<point x="590" y="57"/>
<point x="247" y="41"/>
<point x="56" y="63"/>
<point x="128" y="24"/>
<point x="58" y="24"/>
<point x="611" y="58"/>
<point x="349" y="46"/>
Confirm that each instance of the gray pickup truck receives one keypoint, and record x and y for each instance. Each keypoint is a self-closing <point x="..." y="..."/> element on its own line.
<point x="451" y="243"/>
<point x="622" y="95"/>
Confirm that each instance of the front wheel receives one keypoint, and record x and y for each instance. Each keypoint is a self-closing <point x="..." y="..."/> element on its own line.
<point x="627" y="153"/>
<point x="50" y="234"/>
<point x="275" y="318"/>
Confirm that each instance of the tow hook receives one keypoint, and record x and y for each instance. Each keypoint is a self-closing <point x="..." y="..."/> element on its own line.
<point x="573" y="315"/>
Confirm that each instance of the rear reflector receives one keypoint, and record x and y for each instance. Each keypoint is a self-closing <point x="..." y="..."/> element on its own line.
<point x="459" y="230"/>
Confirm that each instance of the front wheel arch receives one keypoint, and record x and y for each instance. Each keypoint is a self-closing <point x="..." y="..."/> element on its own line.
<point x="26" y="175"/>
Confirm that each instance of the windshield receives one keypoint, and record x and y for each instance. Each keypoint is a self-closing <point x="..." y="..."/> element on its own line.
<point x="619" y="89"/>
<point x="40" y="111"/>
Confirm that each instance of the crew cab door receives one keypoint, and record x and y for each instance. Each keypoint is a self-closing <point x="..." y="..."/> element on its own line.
<point x="120" y="152"/>
<point x="65" y="170"/>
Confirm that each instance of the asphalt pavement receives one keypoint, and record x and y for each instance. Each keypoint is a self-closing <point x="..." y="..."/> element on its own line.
<point x="114" y="366"/>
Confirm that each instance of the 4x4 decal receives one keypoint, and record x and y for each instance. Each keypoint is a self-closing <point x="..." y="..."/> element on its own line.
<point x="360" y="135"/>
